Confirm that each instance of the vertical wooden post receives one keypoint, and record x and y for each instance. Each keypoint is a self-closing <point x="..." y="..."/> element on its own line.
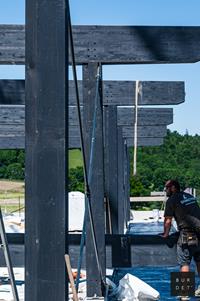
<point x="126" y="183"/>
<point x="120" y="173"/>
<point x="46" y="145"/>
<point x="97" y="179"/>
<point x="111" y="166"/>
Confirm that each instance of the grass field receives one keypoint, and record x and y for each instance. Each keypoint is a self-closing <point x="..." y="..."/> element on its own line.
<point x="12" y="208"/>
<point x="12" y="192"/>
<point x="75" y="158"/>
<point x="10" y="186"/>
<point x="11" y="196"/>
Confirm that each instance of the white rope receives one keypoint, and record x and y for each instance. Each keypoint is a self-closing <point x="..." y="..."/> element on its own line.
<point x="135" y="128"/>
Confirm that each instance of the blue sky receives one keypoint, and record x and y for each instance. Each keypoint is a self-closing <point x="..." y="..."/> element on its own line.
<point x="131" y="12"/>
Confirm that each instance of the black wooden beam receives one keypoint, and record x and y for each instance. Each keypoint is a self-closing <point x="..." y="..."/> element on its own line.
<point x="145" y="131"/>
<point x="46" y="144"/>
<point x="15" y="115"/>
<point x="126" y="184"/>
<point x="154" y="131"/>
<point x="146" y="116"/>
<point x="145" y="141"/>
<point x="120" y="178"/>
<point x="75" y="239"/>
<point x="95" y="177"/>
<point x="115" y="44"/>
<point x="114" y="92"/>
<point x="18" y="142"/>
<point x="111" y="167"/>
<point x="75" y="142"/>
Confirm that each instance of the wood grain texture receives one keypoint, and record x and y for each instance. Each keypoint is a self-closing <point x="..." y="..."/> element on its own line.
<point x="115" y="44"/>
<point x="143" y="131"/>
<point x="10" y="115"/>
<point x="46" y="154"/>
<point x="17" y="142"/>
<point x="114" y="92"/>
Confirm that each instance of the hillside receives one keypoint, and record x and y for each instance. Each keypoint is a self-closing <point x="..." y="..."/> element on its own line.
<point x="177" y="158"/>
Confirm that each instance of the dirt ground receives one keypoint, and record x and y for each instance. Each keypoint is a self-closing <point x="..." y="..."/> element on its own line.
<point x="11" y="186"/>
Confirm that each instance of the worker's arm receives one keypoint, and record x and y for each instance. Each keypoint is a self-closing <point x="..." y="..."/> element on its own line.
<point x="167" y="226"/>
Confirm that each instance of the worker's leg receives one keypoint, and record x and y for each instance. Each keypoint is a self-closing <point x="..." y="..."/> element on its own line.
<point x="198" y="268"/>
<point x="183" y="257"/>
<point x="197" y="261"/>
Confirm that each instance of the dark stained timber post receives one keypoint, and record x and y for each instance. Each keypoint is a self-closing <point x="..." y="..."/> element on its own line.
<point x="111" y="154"/>
<point x="126" y="184"/>
<point x="46" y="145"/>
<point x="121" y="193"/>
<point x="97" y="179"/>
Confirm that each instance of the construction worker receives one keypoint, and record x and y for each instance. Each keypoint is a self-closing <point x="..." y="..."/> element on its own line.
<point x="186" y="212"/>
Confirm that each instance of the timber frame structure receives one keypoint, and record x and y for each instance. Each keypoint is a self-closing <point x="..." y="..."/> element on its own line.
<point x="46" y="109"/>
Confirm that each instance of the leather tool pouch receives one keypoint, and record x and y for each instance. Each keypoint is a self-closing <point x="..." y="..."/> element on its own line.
<point x="189" y="238"/>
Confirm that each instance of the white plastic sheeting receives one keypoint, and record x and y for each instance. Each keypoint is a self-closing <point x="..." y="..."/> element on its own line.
<point x="132" y="288"/>
<point x="76" y="210"/>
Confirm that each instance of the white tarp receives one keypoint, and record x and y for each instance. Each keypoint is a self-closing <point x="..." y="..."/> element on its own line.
<point x="76" y="210"/>
<point x="132" y="288"/>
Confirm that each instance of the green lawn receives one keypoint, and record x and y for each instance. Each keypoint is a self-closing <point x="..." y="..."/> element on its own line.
<point x="75" y="158"/>
<point x="11" y="195"/>
<point x="7" y="208"/>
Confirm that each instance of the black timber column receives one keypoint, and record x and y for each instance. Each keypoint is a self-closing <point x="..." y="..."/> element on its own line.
<point x="46" y="145"/>
<point x="126" y="183"/>
<point x="97" y="179"/>
<point x="121" y="193"/>
<point x="111" y="167"/>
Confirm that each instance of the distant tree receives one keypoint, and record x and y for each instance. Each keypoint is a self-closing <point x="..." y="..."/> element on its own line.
<point x="15" y="171"/>
<point x="186" y="132"/>
<point x="76" y="179"/>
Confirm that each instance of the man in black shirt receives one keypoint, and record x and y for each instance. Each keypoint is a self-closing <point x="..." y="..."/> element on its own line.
<point x="186" y="212"/>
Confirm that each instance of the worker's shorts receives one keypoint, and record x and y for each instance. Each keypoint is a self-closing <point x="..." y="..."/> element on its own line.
<point x="185" y="254"/>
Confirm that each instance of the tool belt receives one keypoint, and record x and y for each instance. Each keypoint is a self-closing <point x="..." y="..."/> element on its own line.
<point x="188" y="238"/>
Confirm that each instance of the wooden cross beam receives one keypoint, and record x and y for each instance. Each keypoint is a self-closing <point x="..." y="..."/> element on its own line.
<point x="151" y="126"/>
<point x="15" y="115"/>
<point x="155" y="131"/>
<point x="115" y="44"/>
<point x="114" y="92"/>
<point x="18" y="142"/>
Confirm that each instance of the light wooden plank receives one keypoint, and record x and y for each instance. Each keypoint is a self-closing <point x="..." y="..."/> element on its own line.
<point x="148" y="199"/>
<point x="116" y="44"/>
<point x="114" y="92"/>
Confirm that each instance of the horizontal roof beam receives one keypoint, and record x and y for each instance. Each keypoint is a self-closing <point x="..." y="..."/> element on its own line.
<point x="114" y="92"/>
<point x="115" y="44"/>
<point x="7" y="130"/>
<point x="146" y="141"/>
<point x="18" y="142"/>
<point x="145" y="131"/>
<point x="146" y="116"/>
<point x="75" y="239"/>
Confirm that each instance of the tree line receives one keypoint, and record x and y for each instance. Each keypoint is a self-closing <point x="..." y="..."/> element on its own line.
<point x="177" y="158"/>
